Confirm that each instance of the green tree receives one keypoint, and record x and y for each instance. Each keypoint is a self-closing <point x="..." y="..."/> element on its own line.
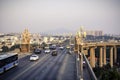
<point x="107" y="73"/>
<point x="5" y="48"/>
<point x="14" y="47"/>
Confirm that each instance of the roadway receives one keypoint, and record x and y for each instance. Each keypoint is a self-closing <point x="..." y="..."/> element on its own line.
<point x="48" y="67"/>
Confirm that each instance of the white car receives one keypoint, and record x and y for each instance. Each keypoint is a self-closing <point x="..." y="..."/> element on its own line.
<point x="34" y="57"/>
<point x="61" y="47"/>
<point x="47" y="51"/>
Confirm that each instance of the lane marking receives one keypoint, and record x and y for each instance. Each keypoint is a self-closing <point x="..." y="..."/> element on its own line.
<point x="62" y="69"/>
<point x="20" y="74"/>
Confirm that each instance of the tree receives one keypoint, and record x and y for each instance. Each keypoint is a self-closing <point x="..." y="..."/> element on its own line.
<point x="5" y="48"/>
<point x="107" y="73"/>
<point x="14" y="47"/>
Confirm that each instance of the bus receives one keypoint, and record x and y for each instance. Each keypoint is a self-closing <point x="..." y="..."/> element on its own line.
<point x="7" y="61"/>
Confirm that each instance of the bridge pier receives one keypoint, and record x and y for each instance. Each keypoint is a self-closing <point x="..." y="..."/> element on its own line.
<point x="111" y="57"/>
<point x="92" y="57"/>
<point x="115" y="54"/>
<point x="104" y="61"/>
<point x="101" y="57"/>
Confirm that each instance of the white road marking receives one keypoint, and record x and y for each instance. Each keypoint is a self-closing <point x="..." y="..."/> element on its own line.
<point x="15" y="78"/>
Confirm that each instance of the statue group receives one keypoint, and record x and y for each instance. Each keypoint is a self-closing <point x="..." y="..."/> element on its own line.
<point x="25" y="42"/>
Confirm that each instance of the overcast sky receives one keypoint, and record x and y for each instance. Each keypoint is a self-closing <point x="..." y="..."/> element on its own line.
<point x="59" y="15"/>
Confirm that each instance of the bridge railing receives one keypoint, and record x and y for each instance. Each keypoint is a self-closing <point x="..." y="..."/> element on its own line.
<point x="92" y="74"/>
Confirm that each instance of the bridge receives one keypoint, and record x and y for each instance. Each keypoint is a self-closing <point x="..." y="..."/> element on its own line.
<point x="82" y="48"/>
<point x="102" y="46"/>
<point x="64" y="66"/>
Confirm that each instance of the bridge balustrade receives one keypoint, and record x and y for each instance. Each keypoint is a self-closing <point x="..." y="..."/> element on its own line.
<point x="92" y="74"/>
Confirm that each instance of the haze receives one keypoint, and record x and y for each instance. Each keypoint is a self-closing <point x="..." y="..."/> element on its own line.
<point x="59" y="15"/>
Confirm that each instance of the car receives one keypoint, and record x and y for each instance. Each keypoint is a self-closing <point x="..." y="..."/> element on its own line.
<point x="61" y="47"/>
<point x="47" y="51"/>
<point x="54" y="53"/>
<point x="84" y="64"/>
<point x="69" y="52"/>
<point x="34" y="57"/>
<point x="68" y="47"/>
<point x="37" y="51"/>
<point x="52" y="47"/>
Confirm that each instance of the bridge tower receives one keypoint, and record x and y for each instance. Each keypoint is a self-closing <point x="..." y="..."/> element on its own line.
<point x="25" y="42"/>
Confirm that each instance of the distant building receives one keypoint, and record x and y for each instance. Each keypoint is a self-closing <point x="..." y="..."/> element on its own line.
<point x="35" y="38"/>
<point x="51" y="39"/>
<point x="94" y="33"/>
<point x="1" y="34"/>
<point x="9" y="40"/>
<point x="45" y="39"/>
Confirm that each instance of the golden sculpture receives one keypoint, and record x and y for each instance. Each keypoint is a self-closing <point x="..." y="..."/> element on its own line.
<point x="25" y="42"/>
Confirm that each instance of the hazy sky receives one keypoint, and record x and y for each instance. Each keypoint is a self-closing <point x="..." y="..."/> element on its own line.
<point x="59" y="15"/>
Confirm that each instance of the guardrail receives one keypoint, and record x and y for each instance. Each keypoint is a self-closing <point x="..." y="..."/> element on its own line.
<point x="92" y="74"/>
<point x="77" y="68"/>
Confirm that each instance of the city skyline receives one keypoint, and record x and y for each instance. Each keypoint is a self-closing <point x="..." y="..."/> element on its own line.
<point x="59" y="16"/>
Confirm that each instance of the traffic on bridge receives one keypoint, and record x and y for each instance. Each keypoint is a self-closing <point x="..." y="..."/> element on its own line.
<point x="57" y="58"/>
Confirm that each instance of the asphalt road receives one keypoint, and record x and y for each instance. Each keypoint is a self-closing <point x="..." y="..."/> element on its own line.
<point x="48" y="67"/>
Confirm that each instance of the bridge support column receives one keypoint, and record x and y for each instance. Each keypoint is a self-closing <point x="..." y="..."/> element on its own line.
<point x="92" y="57"/>
<point x="111" y="56"/>
<point x="104" y="62"/>
<point x="101" y="57"/>
<point x="115" y="54"/>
